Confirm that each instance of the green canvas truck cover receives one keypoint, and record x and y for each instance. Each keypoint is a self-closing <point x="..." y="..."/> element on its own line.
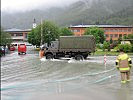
<point x="77" y="42"/>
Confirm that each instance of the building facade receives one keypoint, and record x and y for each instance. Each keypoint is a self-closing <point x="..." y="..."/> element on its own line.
<point x="110" y="31"/>
<point x="18" y="35"/>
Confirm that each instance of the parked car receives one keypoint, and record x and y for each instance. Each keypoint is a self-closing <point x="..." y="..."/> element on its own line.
<point x="21" y="49"/>
<point x="12" y="48"/>
<point x="3" y="50"/>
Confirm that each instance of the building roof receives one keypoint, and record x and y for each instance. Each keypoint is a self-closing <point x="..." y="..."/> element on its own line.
<point x="17" y="30"/>
<point x="101" y="26"/>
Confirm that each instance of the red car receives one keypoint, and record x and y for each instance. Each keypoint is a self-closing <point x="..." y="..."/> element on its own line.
<point x="21" y="49"/>
<point x="12" y="48"/>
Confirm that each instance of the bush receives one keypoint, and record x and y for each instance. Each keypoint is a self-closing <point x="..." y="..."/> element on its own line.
<point x="116" y="49"/>
<point x="106" y="45"/>
<point x="99" y="46"/>
<point x="125" y="47"/>
<point x="113" y="45"/>
<point x="132" y="48"/>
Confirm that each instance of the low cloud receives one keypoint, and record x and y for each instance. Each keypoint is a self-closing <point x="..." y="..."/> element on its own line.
<point x="27" y="5"/>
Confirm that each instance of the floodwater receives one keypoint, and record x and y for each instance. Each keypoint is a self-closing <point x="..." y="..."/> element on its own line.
<point x="26" y="77"/>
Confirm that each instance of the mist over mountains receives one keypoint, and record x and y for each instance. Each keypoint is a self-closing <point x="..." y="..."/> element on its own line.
<point x="80" y="12"/>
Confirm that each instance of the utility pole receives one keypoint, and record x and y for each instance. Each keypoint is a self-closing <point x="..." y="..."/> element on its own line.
<point x="41" y="34"/>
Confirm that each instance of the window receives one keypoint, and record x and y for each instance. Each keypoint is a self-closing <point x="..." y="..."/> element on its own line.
<point x="106" y="35"/>
<point x="76" y="30"/>
<point x="72" y="30"/>
<point x="12" y="34"/>
<point x="116" y="30"/>
<point x="120" y="35"/>
<point x="116" y="35"/>
<point x="129" y="30"/>
<point x="26" y="36"/>
<point x="113" y="30"/>
<point x="106" y="30"/>
<point x="125" y="30"/>
<point x="19" y="34"/>
<point x="120" y="30"/>
<point x="111" y="35"/>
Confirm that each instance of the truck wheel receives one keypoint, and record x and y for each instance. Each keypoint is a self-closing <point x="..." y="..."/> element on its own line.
<point x="78" y="57"/>
<point x="18" y="53"/>
<point x="49" y="56"/>
<point x="56" y="57"/>
<point x="85" y="56"/>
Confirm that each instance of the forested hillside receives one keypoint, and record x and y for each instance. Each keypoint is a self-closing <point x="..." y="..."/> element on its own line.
<point x="124" y="17"/>
<point x="81" y="12"/>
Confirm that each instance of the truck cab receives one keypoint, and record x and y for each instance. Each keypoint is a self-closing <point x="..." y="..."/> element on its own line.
<point x="54" y="44"/>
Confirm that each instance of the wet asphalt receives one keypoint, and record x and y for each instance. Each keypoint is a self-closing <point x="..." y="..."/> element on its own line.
<point x="26" y="77"/>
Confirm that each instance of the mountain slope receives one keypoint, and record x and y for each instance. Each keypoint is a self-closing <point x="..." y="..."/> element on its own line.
<point x="81" y="12"/>
<point x="124" y="17"/>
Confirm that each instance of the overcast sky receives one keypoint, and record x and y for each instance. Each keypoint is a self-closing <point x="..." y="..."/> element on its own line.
<point x="22" y="5"/>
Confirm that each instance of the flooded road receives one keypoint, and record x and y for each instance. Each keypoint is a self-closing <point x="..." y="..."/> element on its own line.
<point x="26" y="77"/>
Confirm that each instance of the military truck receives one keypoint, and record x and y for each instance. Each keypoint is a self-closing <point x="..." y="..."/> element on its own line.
<point x="77" y="47"/>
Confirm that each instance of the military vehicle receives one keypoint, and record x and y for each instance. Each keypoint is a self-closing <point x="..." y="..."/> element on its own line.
<point x="77" y="47"/>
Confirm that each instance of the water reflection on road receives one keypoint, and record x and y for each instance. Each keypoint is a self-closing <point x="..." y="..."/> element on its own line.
<point x="26" y="77"/>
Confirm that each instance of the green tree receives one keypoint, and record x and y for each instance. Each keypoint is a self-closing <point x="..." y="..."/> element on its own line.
<point x="125" y="47"/>
<point x="65" y="32"/>
<point x="106" y="45"/>
<point x="119" y="40"/>
<point x="5" y="38"/>
<point x="33" y="38"/>
<point x="111" y="41"/>
<point x="97" y="33"/>
<point x="130" y="37"/>
<point x="50" y="32"/>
